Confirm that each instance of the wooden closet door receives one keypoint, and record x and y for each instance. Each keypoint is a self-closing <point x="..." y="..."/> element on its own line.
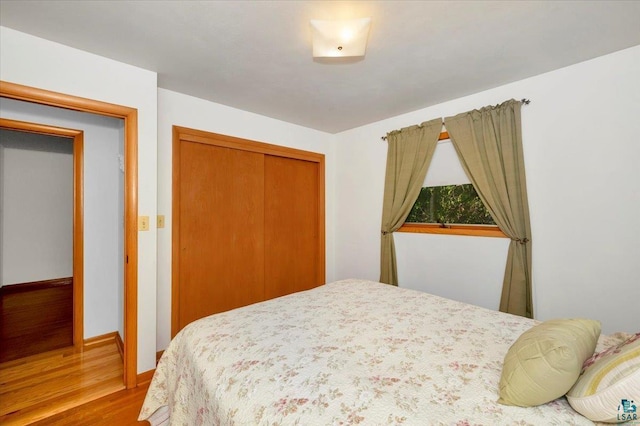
<point x="221" y="230"/>
<point x="292" y="258"/>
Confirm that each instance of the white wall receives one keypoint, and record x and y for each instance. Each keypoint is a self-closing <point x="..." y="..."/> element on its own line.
<point x="186" y="111"/>
<point x="32" y="61"/>
<point x="37" y="207"/>
<point x="580" y="136"/>
<point x="102" y="230"/>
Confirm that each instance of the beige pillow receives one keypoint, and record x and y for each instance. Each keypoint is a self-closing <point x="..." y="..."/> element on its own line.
<point x="546" y="361"/>
<point x="608" y="390"/>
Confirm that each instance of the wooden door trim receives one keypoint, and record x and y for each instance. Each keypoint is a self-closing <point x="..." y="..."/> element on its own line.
<point x="130" y="117"/>
<point x="175" y="232"/>
<point x="321" y="221"/>
<point x="78" y="212"/>
<point x="199" y="136"/>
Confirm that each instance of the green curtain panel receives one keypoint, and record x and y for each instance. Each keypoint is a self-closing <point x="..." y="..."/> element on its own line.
<point x="408" y="156"/>
<point x="489" y="144"/>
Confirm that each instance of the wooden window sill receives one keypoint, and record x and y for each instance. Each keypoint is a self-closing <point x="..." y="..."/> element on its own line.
<point x="469" y="230"/>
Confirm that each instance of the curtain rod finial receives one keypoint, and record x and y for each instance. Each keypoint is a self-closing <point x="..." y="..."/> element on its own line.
<point x="525" y="101"/>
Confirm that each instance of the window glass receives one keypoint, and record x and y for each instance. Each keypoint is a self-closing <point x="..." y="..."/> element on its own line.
<point x="457" y="204"/>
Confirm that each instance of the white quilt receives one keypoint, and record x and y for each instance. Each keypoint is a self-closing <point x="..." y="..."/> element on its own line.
<point x="350" y="352"/>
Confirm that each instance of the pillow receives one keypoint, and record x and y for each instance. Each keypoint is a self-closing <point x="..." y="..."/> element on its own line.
<point x="546" y="361"/>
<point x="609" y="388"/>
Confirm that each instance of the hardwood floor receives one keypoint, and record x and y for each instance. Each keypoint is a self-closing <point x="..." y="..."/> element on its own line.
<point x="120" y="408"/>
<point x="35" y="317"/>
<point x="55" y="385"/>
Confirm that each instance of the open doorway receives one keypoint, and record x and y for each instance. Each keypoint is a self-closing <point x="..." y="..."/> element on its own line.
<point x="61" y="306"/>
<point x="41" y="238"/>
<point x="91" y="365"/>
<point x="130" y="132"/>
<point x="99" y="216"/>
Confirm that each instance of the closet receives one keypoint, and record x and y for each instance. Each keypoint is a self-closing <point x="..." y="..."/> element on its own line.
<point x="247" y="223"/>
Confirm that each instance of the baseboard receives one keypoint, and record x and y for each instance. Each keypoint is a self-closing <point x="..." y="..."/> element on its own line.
<point x="103" y="339"/>
<point x="114" y="337"/>
<point x="144" y="378"/>
<point x="158" y="356"/>
<point x="120" y="345"/>
<point x="35" y="285"/>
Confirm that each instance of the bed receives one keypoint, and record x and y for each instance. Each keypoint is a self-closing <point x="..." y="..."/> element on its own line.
<point x="349" y="352"/>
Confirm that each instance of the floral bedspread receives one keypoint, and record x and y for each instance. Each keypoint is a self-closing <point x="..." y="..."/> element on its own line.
<point x="349" y="352"/>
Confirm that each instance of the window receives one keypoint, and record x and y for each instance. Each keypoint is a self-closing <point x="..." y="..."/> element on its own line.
<point x="448" y="203"/>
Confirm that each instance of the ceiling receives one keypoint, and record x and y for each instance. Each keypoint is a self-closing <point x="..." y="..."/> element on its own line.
<point x="256" y="55"/>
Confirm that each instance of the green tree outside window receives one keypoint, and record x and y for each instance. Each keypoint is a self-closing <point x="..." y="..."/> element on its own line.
<point x="457" y="204"/>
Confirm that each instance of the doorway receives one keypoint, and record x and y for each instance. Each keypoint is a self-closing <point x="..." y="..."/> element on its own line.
<point x="130" y="166"/>
<point x="42" y="292"/>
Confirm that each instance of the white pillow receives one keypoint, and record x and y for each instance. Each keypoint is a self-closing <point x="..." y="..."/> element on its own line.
<point x="608" y="389"/>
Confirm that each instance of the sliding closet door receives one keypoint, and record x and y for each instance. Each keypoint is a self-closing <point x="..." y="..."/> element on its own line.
<point x="247" y="225"/>
<point x="220" y="230"/>
<point x="292" y="258"/>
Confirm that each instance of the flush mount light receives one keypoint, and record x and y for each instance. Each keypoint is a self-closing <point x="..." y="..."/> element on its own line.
<point x="335" y="39"/>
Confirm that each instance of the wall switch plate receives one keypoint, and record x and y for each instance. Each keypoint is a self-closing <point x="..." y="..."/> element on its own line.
<point x="143" y="223"/>
<point x="160" y="221"/>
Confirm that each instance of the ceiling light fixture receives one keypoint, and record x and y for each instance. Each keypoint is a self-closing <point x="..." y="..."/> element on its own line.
<point x="335" y="39"/>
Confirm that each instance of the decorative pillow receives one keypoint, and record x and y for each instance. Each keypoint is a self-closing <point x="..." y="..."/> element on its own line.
<point x="609" y="388"/>
<point x="546" y="361"/>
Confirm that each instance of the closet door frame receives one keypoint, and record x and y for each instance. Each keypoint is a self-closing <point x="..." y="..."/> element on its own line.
<point x="183" y="134"/>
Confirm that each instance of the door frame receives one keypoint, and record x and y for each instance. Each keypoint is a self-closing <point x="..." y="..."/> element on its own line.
<point x="77" y="137"/>
<point x="130" y="117"/>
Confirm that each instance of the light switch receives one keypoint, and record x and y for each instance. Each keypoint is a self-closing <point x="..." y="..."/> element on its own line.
<point x="160" y="221"/>
<point x="143" y="223"/>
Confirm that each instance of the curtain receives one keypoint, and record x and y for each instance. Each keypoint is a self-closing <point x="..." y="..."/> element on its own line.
<point x="489" y="144"/>
<point x="408" y="156"/>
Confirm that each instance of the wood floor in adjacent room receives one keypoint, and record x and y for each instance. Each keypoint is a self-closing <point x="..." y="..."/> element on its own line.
<point x="63" y="387"/>
<point x="35" y="317"/>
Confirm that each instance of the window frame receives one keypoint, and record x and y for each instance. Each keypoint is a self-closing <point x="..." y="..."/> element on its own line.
<point x="452" y="229"/>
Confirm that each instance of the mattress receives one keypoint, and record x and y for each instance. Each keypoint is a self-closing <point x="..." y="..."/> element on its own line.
<point x="349" y="352"/>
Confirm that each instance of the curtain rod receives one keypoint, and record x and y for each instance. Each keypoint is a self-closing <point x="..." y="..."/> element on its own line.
<point x="445" y="135"/>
